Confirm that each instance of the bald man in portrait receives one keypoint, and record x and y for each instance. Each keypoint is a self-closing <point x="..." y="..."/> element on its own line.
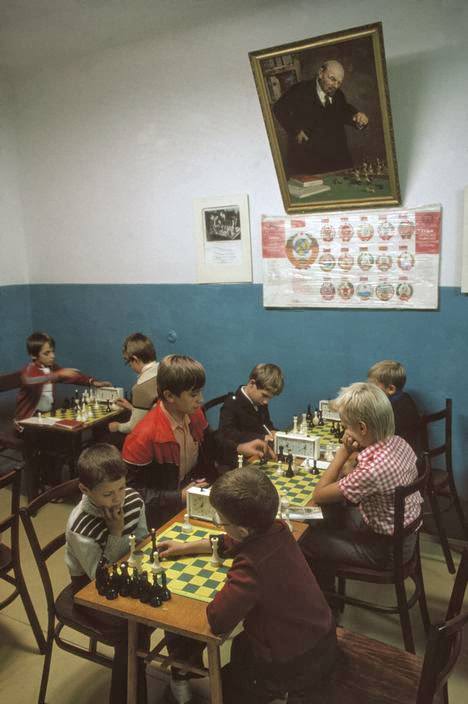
<point x="314" y="115"/>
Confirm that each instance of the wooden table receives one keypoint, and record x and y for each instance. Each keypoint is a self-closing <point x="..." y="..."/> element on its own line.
<point x="40" y="437"/>
<point x="180" y="615"/>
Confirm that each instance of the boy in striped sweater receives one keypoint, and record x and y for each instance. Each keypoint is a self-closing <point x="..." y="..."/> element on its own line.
<point x="100" y="526"/>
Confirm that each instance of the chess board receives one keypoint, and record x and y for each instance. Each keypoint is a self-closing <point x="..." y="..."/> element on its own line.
<point x="298" y="489"/>
<point x="325" y="434"/>
<point x="95" y="412"/>
<point x="191" y="576"/>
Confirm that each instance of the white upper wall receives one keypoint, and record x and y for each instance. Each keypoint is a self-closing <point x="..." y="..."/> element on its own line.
<point x="114" y="145"/>
<point x="13" y="257"/>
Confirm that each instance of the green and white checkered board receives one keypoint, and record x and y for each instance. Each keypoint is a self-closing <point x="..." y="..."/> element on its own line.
<point x="298" y="489"/>
<point x="194" y="576"/>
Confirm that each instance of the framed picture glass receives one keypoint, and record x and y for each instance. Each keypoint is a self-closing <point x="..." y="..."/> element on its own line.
<point x="326" y="108"/>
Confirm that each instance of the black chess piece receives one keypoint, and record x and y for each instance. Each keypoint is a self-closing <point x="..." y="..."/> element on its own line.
<point x="155" y="599"/>
<point x="126" y="580"/>
<point x="145" y="588"/>
<point x="66" y="404"/>
<point x="289" y="472"/>
<point x="102" y="576"/>
<point x="108" y="406"/>
<point x="153" y="541"/>
<point x="321" y="421"/>
<point x="165" y="593"/>
<point x="111" y="593"/>
<point x="135" y="585"/>
<point x="115" y="577"/>
<point x="281" y="456"/>
<point x="315" y="468"/>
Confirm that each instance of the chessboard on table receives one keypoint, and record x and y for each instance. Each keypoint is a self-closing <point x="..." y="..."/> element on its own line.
<point x="95" y="412"/>
<point x="298" y="489"/>
<point x="192" y="576"/>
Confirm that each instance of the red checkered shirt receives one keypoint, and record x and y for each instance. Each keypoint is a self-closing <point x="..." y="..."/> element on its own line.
<point x="380" y="468"/>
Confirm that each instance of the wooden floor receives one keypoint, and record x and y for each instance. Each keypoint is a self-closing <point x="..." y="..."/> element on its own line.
<point x="75" y="681"/>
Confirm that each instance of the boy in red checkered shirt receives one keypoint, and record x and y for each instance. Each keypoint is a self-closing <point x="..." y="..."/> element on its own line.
<point x="358" y="502"/>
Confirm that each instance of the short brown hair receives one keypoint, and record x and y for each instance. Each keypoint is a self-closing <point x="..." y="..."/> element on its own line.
<point x="35" y="342"/>
<point x="268" y="377"/>
<point x="178" y="373"/>
<point x="140" y="346"/>
<point x="247" y="497"/>
<point x="387" y="372"/>
<point x="100" y="463"/>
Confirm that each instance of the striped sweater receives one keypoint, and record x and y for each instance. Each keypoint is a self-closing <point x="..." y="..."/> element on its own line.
<point x="88" y="538"/>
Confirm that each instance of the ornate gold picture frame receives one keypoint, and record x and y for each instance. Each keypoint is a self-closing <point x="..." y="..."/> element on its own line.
<point x="326" y="108"/>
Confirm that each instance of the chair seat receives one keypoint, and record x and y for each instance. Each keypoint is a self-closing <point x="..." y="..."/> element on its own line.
<point x="366" y="574"/>
<point x="77" y="617"/>
<point x="371" y="672"/>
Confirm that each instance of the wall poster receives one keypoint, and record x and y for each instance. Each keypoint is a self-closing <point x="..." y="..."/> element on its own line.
<point x="363" y="259"/>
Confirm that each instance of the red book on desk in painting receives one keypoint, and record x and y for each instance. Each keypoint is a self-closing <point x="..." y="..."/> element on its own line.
<point x="68" y="423"/>
<point x="304" y="180"/>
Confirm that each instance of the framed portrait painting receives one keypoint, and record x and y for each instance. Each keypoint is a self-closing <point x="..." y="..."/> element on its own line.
<point x="326" y="108"/>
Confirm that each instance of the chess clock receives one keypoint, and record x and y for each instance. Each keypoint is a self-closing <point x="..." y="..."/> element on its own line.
<point x="298" y="445"/>
<point x="109" y="393"/>
<point x="327" y="413"/>
<point x="198" y="503"/>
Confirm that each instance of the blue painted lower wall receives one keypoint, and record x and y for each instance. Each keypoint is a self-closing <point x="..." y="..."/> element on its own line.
<point x="227" y="328"/>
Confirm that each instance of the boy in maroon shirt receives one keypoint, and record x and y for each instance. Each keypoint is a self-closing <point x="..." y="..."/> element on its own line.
<point x="288" y="643"/>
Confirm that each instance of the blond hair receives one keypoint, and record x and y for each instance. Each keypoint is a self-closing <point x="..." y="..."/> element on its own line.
<point x="366" y="403"/>
<point x="268" y="377"/>
<point x="388" y="372"/>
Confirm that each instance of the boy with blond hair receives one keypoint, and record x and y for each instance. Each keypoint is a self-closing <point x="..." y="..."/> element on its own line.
<point x="390" y="376"/>
<point x="244" y="415"/>
<point x="288" y="643"/>
<point x="358" y="533"/>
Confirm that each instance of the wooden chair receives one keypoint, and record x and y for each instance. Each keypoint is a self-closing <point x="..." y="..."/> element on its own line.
<point x="60" y="611"/>
<point x="218" y="401"/>
<point x="8" y="439"/>
<point x="371" y="672"/>
<point x="10" y="565"/>
<point x="441" y="482"/>
<point x="398" y="573"/>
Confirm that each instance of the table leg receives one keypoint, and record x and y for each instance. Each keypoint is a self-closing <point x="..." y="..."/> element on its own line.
<point x="132" y="663"/>
<point x="214" y="666"/>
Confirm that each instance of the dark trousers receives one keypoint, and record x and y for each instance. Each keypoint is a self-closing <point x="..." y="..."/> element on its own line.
<point x="344" y="537"/>
<point x="250" y="680"/>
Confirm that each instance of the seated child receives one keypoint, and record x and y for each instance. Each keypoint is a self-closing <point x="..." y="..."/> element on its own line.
<point x="173" y="442"/>
<point x="357" y="534"/>
<point x="139" y="353"/>
<point x="391" y="377"/>
<point x="40" y="375"/>
<point x="288" y="643"/>
<point x="245" y="415"/>
<point x="100" y="527"/>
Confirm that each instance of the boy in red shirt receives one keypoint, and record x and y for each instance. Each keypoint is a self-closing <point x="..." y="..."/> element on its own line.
<point x="288" y="643"/>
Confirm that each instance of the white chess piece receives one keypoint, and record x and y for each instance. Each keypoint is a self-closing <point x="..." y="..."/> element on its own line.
<point x="294" y="424"/>
<point x="240" y="461"/>
<point x="304" y="424"/>
<point x="215" y="558"/>
<point x="284" y="511"/>
<point x="186" y="525"/>
<point x="279" y="469"/>
<point x="39" y="417"/>
<point x="315" y="419"/>
<point x="131" y="559"/>
<point x="156" y="567"/>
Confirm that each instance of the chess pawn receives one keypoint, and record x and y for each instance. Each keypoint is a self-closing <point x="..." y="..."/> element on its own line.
<point x="279" y="469"/>
<point x="304" y="424"/>
<point x="165" y="593"/>
<point x="281" y="454"/>
<point x="315" y="420"/>
<point x="240" y="461"/>
<point x="284" y="511"/>
<point x="294" y="424"/>
<point x="138" y="556"/>
<point x="186" y="525"/>
<point x="290" y="472"/>
<point x="329" y="453"/>
<point x="309" y="416"/>
<point x="156" y="567"/>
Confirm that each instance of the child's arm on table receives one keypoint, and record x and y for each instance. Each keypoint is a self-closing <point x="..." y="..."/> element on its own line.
<point x="172" y="548"/>
<point x="327" y="490"/>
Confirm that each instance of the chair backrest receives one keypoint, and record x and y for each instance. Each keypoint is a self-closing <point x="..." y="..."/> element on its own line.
<point x="442" y="651"/>
<point x="459" y="587"/>
<point x="216" y="401"/>
<point x="10" y="523"/>
<point x="10" y="381"/>
<point x="42" y="553"/>
<point x="427" y="421"/>
<point x="402" y="493"/>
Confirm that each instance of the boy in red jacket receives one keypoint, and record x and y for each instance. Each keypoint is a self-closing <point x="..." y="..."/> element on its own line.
<point x="288" y="643"/>
<point x="40" y="375"/>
